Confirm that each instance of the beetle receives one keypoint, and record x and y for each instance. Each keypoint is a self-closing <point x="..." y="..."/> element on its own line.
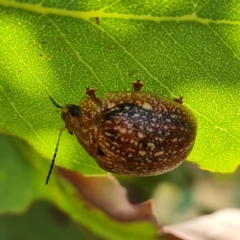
<point x="131" y="132"/>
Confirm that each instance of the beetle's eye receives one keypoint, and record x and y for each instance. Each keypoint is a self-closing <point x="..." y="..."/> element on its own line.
<point x="74" y="111"/>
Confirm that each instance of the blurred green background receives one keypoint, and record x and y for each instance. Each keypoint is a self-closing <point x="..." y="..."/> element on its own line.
<point x="30" y="210"/>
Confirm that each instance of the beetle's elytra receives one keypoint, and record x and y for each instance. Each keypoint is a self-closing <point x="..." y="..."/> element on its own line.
<point x="133" y="133"/>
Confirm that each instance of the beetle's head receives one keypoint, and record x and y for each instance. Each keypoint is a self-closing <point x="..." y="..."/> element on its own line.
<point x="71" y="114"/>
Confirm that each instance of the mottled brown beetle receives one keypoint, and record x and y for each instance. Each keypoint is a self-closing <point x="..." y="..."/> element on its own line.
<point x="133" y="133"/>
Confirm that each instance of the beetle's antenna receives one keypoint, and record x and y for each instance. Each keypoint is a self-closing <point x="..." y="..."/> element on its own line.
<point x="55" y="153"/>
<point x="55" y="104"/>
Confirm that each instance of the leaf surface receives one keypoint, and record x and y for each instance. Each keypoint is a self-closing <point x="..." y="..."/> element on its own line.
<point x="57" y="48"/>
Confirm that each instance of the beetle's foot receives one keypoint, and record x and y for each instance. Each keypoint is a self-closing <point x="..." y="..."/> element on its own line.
<point x="179" y="100"/>
<point x="90" y="92"/>
<point x="137" y="85"/>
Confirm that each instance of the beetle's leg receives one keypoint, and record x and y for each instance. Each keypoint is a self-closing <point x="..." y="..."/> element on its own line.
<point x="91" y="93"/>
<point x="137" y="85"/>
<point x="179" y="100"/>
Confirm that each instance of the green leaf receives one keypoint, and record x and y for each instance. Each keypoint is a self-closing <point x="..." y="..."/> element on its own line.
<point x="177" y="48"/>
<point x="27" y="226"/>
<point x="22" y="182"/>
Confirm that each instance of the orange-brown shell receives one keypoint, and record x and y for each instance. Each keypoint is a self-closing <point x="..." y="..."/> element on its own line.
<point x="134" y="133"/>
